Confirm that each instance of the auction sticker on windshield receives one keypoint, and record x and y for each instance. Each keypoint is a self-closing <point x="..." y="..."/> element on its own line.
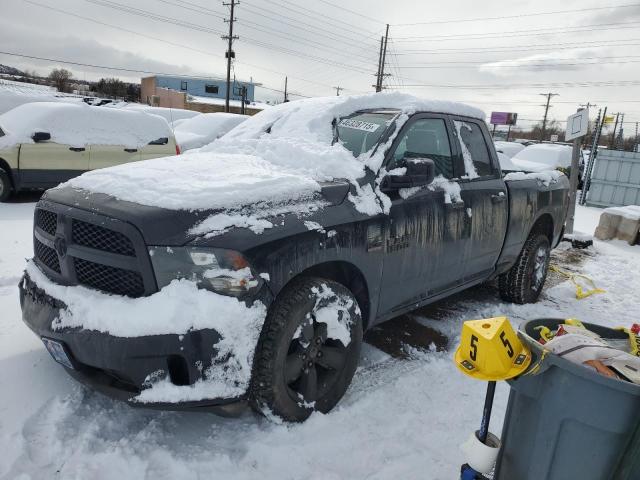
<point x="359" y="125"/>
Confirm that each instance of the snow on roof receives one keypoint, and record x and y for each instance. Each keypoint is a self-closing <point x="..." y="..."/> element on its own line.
<point x="508" y="148"/>
<point x="205" y="128"/>
<point x="80" y="124"/>
<point x="169" y="114"/>
<point x="545" y="155"/>
<point x="248" y="165"/>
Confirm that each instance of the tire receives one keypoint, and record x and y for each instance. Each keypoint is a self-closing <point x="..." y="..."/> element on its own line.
<point x="297" y="368"/>
<point x="523" y="283"/>
<point x="5" y="185"/>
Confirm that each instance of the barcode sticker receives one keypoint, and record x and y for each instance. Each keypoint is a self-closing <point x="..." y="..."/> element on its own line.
<point x="359" y="125"/>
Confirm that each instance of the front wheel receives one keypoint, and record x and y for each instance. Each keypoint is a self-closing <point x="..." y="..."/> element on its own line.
<point x="524" y="281"/>
<point x="308" y="350"/>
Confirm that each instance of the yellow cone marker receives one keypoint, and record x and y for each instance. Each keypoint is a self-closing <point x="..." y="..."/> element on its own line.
<point x="490" y="350"/>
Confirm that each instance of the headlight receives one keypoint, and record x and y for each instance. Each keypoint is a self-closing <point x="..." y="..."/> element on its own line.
<point x="222" y="271"/>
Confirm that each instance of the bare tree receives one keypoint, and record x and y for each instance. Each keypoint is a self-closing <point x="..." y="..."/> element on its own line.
<point x="60" y="78"/>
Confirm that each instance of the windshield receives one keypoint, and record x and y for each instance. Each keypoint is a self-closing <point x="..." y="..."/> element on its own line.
<point x="359" y="133"/>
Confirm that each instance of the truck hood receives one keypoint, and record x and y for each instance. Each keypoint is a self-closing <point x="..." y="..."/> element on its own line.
<point x="163" y="226"/>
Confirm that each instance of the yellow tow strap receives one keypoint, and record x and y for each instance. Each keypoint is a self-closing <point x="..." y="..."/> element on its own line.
<point x="581" y="292"/>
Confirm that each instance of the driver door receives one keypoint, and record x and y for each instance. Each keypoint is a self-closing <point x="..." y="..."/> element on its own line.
<point x="425" y="235"/>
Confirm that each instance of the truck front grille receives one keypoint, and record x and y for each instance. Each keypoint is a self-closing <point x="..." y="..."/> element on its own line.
<point x="109" y="279"/>
<point x="81" y="248"/>
<point x="47" y="255"/>
<point x="47" y="221"/>
<point x="94" y="236"/>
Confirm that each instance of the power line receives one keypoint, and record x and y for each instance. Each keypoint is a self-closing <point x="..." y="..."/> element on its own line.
<point x="123" y="69"/>
<point x="352" y="11"/>
<point x="521" y="33"/>
<point x="615" y="83"/>
<point x="65" y="12"/>
<point x="521" y="15"/>
<point x="523" y="65"/>
<point x="520" y="48"/>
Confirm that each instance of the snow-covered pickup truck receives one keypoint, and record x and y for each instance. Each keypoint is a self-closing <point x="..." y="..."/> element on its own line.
<point x="249" y="274"/>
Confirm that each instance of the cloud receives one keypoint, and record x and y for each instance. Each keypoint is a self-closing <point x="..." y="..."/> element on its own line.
<point x="575" y="59"/>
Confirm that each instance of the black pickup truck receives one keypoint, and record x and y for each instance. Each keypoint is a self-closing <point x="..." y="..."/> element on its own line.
<point x="450" y="221"/>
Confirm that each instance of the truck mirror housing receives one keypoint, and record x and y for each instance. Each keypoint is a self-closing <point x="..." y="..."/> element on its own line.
<point x="420" y="172"/>
<point x="41" y="137"/>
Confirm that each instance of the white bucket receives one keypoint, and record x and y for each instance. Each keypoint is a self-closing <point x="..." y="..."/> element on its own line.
<point x="481" y="456"/>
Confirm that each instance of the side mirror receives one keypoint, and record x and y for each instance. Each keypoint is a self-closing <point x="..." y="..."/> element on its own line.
<point x="419" y="172"/>
<point x="41" y="137"/>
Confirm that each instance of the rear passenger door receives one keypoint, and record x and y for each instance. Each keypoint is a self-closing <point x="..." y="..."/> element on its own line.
<point x="162" y="147"/>
<point x="102" y="156"/>
<point x="424" y="235"/>
<point x="485" y="195"/>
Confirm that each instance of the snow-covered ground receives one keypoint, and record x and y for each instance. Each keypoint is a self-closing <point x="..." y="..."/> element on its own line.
<point x="401" y="418"/>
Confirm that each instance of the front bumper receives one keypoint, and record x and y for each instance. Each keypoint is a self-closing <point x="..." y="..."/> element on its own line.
<point x="121" y="367"/>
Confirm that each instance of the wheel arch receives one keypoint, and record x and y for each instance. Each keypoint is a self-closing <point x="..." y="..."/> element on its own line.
<point x="544" y="225"/>
<point x="347" y="274"/>
<point x="5" y="166"/>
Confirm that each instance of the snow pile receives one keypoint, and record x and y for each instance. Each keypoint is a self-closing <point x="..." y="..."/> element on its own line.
<point x="546" y="177"/>
<point x="176" y="309"/>
<point x="200" y="130"/>
<point x="630" y="212"/>
<point x="14" y="94"/>
<point x="80" y="125"/>
<point x="277" y="155"/>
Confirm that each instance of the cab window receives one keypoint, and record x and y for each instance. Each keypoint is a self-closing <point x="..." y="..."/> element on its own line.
<point x="474" y="149"/>
<point x="426" y="138"/>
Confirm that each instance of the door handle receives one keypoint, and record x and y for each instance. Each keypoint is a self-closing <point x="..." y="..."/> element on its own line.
<point x="498" y="198"/>
<point x="77" y="149"/>
<point x="455" y="205"/>
<point x="131" y="150"/>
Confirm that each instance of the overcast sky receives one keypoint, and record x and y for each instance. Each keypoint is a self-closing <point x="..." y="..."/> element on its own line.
<point x="323" y="44"/>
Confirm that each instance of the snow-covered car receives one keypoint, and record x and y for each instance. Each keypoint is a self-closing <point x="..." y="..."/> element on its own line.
<point x="543" y="157"/>
<point x="508" y="148"/>
<point x="198" y="131"/>
<point x="44" y="143"/>
<point x="249" y="274"/>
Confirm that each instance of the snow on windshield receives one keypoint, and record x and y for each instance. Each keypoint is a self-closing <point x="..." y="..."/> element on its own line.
<point x="551" y="155"/>
<point x="80" y="125"/>
<point x="278" y="155"/>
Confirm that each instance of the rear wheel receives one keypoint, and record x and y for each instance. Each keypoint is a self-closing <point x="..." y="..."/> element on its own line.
<point x="5" y="185"/>
<point x="524" y="281"/>
<point x="308" y="350"/>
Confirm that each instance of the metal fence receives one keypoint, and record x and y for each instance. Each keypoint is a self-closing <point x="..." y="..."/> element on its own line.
<point x="615" y="180"/>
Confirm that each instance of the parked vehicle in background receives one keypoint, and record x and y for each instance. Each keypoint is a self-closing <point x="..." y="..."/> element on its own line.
<point x="255" y="267"/>
<point x="200" y="130"/>
<point x="547" y="156"/>
<point x="508" y="148"/>
<point x="44" y="144"/>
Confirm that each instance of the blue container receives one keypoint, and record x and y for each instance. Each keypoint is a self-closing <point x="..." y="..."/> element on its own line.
<point x="565" y="421"/>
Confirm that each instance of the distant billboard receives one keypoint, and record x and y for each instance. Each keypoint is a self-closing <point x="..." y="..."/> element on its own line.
<point x="503" y="118"/>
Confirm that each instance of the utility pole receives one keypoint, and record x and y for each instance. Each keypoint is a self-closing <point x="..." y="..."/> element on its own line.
<point x="637" y="149"/>
<point x="338" y="91"/>
<point x="286" y="97"/>
<point x="612" y="142"/>
<point x="620" y="138"/>
<point x="546" y="111"/>
<point x="378" y="83"/>
<point x="230" y="53"/>
<point x="382" y="58"/>
<point x="586" y="176"/>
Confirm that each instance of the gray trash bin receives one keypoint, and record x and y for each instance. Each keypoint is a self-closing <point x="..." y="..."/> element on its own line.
<point x="567" y="422"/>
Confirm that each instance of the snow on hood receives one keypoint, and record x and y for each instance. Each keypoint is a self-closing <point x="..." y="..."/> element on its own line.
<point x="79" y="125"/>
<point x="249" y="165"/>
